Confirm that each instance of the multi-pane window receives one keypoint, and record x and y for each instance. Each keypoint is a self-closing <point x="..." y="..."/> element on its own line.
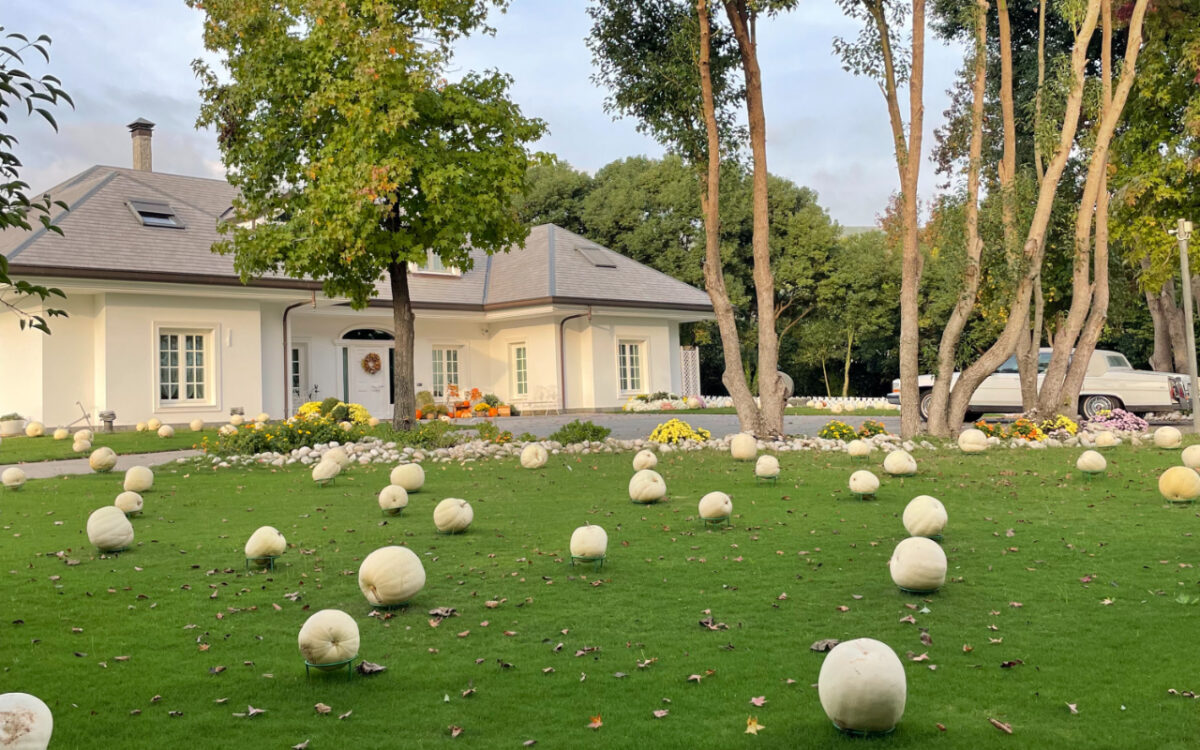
<point x="445" y="369"/>
<point x="295" y="372"/>
<point x="520" y="370"/>
<point x="629" y="365"/>
<point x="182" y="366"/>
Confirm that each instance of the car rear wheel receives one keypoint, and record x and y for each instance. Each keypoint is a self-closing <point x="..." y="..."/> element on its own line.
<point x="926" y="401"/>
<point x="1091" y="406"/>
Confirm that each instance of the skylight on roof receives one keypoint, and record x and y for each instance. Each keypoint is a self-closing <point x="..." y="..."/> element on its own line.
<point x="597" y="257"/>
<point x="155" y="214"/>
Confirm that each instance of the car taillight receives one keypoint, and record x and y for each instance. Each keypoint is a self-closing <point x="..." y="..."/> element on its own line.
<point x="896" y="386"/>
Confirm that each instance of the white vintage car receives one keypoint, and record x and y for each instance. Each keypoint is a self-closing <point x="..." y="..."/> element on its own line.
<point x="1110" y="383"/>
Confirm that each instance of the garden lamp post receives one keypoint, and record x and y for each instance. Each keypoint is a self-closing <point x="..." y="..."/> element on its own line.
<point x="1182" y="232"/>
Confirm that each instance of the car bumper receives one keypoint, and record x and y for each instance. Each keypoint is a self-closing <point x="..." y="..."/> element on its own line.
<point x="893" y="398"/>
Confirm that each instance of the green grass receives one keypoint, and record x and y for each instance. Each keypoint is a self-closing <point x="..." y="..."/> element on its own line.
<point x="26" y="449"/>
<point x="1024" y="527"/>
<point x="792" y="411"/>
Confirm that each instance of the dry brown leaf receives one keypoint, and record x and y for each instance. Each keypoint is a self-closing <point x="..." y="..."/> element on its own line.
<point x="596" y="722"/>
<point x="321" y="708"/>
<point x="1006" y="728"/>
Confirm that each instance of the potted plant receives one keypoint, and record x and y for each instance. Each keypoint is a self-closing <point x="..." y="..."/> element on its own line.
<point x="11" y="424"/>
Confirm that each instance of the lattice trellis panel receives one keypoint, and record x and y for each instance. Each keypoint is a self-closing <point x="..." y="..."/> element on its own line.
<point x="689" y="364"/>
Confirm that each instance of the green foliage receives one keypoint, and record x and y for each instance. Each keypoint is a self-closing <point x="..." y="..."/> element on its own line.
<point x="493" y="434"/>
<point x="21" y="90"/>
<point x="328" y="405"/>
<point x="871" y="428"/>
<point x="10" y="417"/>
<point x="836" y="429"/>
<point x="576" y="431"/>
<point x="527" y="437"/>
<point x="491" y="400"/>
<point x="282" y="437"/>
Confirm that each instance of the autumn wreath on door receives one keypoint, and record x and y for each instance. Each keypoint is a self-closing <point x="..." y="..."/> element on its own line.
<point x="371" y="363"/>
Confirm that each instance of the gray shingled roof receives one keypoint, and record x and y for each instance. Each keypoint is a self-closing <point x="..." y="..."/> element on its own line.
<point x="102" y="239"/>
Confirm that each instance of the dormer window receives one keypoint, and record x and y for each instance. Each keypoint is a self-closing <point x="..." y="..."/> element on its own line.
<point x="155" y="214"/>
<point x="433" y="265"/>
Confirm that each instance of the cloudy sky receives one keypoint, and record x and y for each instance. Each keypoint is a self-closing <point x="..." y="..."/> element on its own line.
<point x="825" y="128"/>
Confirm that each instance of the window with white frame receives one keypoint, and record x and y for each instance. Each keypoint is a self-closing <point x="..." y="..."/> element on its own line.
<point x="518" y="361"/>
<point x="433" y="264"/>
<point x="183" y="366"/>
<point x="445" y="369"/>
<point x="630" y="374"/>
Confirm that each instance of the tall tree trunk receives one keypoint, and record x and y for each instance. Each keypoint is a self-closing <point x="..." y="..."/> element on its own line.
<point x="1035" y="246"/>
<point x="846" y="366"/>
<point x="404" y="393"/>
<point x="1038" y="167"/>
<point x="1162" y="357"/>
<point x="825" y="374"/>
<point x="952" y="333"/>
<point x="734" y="376"/>
<point x="1069" y="351"/>
<point x="770" y="385"/>
<point x="1028" y="348"/>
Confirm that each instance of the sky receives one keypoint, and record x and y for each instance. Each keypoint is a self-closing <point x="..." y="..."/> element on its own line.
<point x="120" y="60"/>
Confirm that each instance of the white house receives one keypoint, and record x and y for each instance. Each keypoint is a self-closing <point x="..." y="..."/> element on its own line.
<point x="161" y="326"/>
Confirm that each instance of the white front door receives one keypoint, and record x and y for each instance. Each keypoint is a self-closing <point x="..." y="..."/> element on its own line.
<point x="370" y="389"/>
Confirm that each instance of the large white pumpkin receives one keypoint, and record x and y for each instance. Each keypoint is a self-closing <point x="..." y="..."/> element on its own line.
<point x="409" y="476"/>
<point x="589" y="541"/>
<point x="62" y="433"/>
<point x="1179" y="484"/>
<point x="81" y="446"/>
<point x="1091" y="462"/>
<point x="324" y="471"/>
<point x="534" y="456"/>
<point x="766" y="467"/>
<point x="196" y="425"/>
<point x="858" y="448"/>
<point x="35" y="429"/>
<point x="226" y="430"/>
<point x="1191" y="456"/>
<point x="262" y="417"/>
<point x="109" y="530"/>
<point x="25" y="722"/>
<point x="390" y="576"/>
<point x="863" y="482"/>
<point x="266" y="541"/>
<point x="328" y="639"/>
<point x="645" y="459"/>
<point x="166" y="431"/>
<point x="373" y="422"/>
<point x="862" y="686"/>
<point x="924" y="516"/>
<point x="12" y="478"/>
<point x="647" y="486"/>
<point x="972" y="441"/>
<point x="237" y="420"/>
<point x="1168" y="437"/>
<point x="743" y="446"/>
<point x="1106" y="439"/>
<point x="102" y="459"/>
<point x="138" y="479"/>
<point x="900" y="463"/>
<point x="393" y="499"/>
<point x="83" y="435"/>
<point x="715" y="505"/>
<point x="918" y="564"/>
<point x="140" y="427"/>
<point x="453" y="515"/>
<point x="129" y="502"/>
<point x="337" y="454"/>
<point x="153" y="424"/>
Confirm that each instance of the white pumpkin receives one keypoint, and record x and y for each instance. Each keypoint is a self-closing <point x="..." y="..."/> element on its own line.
<point x="129" y="502"/>
<point x="337" y="454"/>
<point x="715" y="505"/>
<point x="409" y="476"/>
<point x="453" y="515"/>
<point x="138" y="479"/>
<point x="266" y="541"/>
<point x="328" y="639"/>
<point x="1106" y="439"/>
<point x="109" y="530"/>
<point x="390" y="576"/>
<point x="1191" y="456"/>
<point x="81" y="446"/>
<point x="346" y="425"/>
<point x="1091" y="462"/>
<point x="102" y="459"/>
<point x="393" y="499"/>
<point x="83" y="435"/>
<point x="534" y="456"/>
<point x="1164" y="437"/>
<point x="645" y="459"/>
<point x="1179" y="484"/>
<point x="766" y="467"/>
<point x="196" y="425"/>
<point x="972" y="441"/>
<point x="25" y="722"/>
<point x="262" y="417"/>
<point x="12" y="478"/>
<point x="924" y="516"/>
<point x="647" y="486"/>
<point x="373" y="422"/>
<point x="62" y="433"/>
<point x="918" y="564"/>
<point x="863" y="482"/>
<point x="237" y="420"/>
<point x="858" y="448"/>
<point x="862" y="686"/>
<point x="166" y="431"/>
<point x="226" y="430"/>
<point x="140" y="427"/>
<point x="35" y="429"/>
<point x="743" y="446"/>
<point x="324" y="471"/>
<point x="900" y="463"/>
<point x="153" y="424"/>
<point x="589" y="541"/>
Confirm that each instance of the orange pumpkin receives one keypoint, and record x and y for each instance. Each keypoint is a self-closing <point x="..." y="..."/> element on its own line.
<point x="418" y="413"/>
<point x="492" y="412"/>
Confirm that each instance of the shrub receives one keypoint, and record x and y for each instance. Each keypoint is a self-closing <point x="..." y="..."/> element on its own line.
<point x="283" y="437"/>
<point x="527" y="437"/>
<point x="11" y="417"/>
<point x="424" y="400"/>
<point x="991" y="430"/>
<point x="493" y="434"/>
<point x="327" y="405"/>
<point x="1059" y="423"/>
<point x="837" y="430"/>
<point x="677" y="431"/>
<point x="579" y="432"/>
<point x="871" y="427"/>
<point x="1024" y="428"/>
<point x="660" y="396"/>
<point x="491" y="400"/>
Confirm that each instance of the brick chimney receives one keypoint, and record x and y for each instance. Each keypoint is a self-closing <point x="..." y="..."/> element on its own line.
<point x="141" y="130"/>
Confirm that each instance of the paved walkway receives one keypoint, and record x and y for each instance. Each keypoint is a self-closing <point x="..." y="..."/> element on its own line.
<point x="47" y="469"/>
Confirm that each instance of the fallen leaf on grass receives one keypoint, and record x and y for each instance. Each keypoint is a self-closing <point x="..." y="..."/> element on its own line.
<point x="695" y="677"/>
<point x="1073" y="707"/>
<point x="909" y="619"/>
<point x="1006" y="728"/>
<point x="926" y="638"/>
<point x="1010" y="664"/>
<point x="824" y="644"/>
<point x="968" y="648"/>
<point x="752" y="725"/>
<point x="455" y="730"/>
<point x="346" y="715"/>
<point x="643" y="663"/>
<point x="758" y="700"/>
<point x="708" y="623"/>
<point x="301" y="746"/>
<point x="919" y="657"/>
<point x="595" y="723"/>
<point x="941" y="727"/>
<point x="1106" y="601"/>
<point x="369" y="667"/>
<point x="251" y="712"/>
<point x="321" y="708"/>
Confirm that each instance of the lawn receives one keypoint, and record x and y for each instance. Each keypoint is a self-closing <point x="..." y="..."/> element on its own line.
<point x="1087" y="589"/>
<point x="45" y="448"/>
<point x="791" y="411"/>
